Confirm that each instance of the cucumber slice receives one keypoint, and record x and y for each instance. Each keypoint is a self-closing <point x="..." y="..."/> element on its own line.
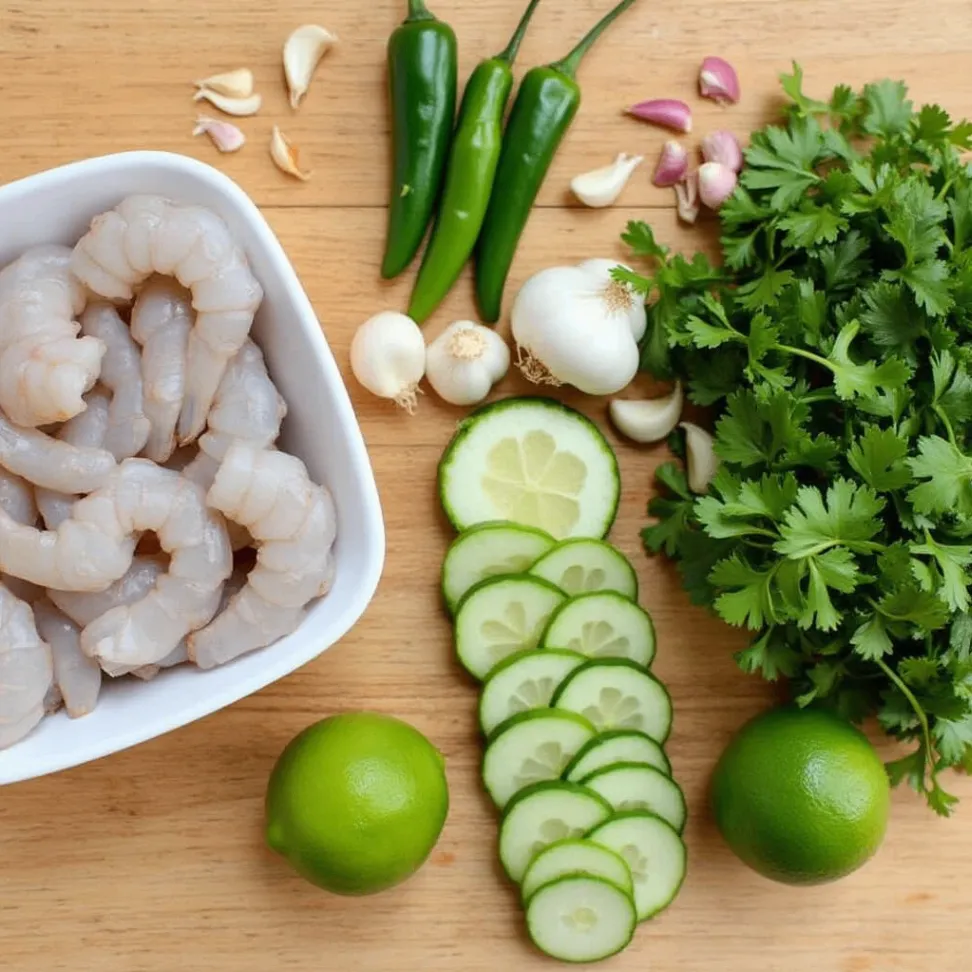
<point x="501" y="616"/>
<point x="579" y="857"/>
<point x="583" y="566"/>
<point x="581" y="919"/>
<point x="617" y="694"/>
<point x="654" y="852"/>
<point x="523" y="682"/>
<point x="543" y="813"/>
<point x="489" y="550"/>
<point x="634" y="786"/>
<point x="532" y="461"/>
<point x="617" y="746"/>
<point x="530" y="748"/>
<point x="603" y="625"/>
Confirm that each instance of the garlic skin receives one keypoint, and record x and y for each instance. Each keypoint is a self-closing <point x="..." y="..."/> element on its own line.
<point x="718" y="80"/>
<point x="388" y="358"/>
<point x="717" y="183"/>
<point x="602" y="187"/>
<point x="650" y="420"/>
<point x="302" y="52"/>
<point x="579" y="326"/>
<point x="233" y="84"/>
<point x="667" y="112"/>
<point x="239" y="107"/>
<point x="687" y="201"/>
<point x="700" y="458"/>
<point x="464" y="362"/>
<point x="223" y="134"/>
<point x="286" y="156"/>
<point x="672" y="165"/>
<point x="724" y="148"/>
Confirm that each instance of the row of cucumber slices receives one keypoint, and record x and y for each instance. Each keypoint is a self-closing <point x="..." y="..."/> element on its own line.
<point x="575" y="725"/>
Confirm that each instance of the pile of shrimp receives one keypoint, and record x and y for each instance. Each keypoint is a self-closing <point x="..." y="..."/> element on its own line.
<point x="147" y="518"/>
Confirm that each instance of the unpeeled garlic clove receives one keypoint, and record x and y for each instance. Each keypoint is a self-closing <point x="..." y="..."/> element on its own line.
<point x="223" y="134"/>
<point x="700" y="458"/>
<point x="647" y="421"/>
<point x="302" y="52"/>
<point x="687" y="200"/>
<point x="286" y="156"/>
<point x="672" y="165"/>
<point x="723" y="147"/>
<point x="667" y="112"/>
<point x="232" y="84"/>
<point x="718" y="80"/>
<point x="228" y="104"/>
<point x="601" y="187"/>
<point x="717" y="182"/>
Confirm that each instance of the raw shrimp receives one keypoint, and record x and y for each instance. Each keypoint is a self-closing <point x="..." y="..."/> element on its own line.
<point x="17" y="500"/>
<point x="293" y="522"/>
<point x="86" y="431"/>
<point x="247" y="408"/>
<point x="45" y="367"/>
<point x="26" y="670"/>
<point x="149" y="234"/>
<point x="148" y="497"/>
<point x="161" y="321"/>
<point x="77" y="677"/>
<point x="121" y="374"/>
<point x="83" y="607"/>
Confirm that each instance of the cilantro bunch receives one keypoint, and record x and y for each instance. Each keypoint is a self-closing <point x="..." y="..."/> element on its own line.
<point x="835" y="347"/>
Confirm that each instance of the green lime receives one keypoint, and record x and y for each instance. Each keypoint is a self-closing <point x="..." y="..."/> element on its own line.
<point x="800" y="796"/>
<point x="356" y="802"/>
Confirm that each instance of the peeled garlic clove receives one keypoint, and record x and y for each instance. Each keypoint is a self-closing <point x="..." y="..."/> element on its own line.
<point x="233" y="84"/>
<point x="228" y="104"/>
<point x="700" y="458"/>
<point x="647" y="421"/>
<point x="286" y="156"/>
<point x="302" y="52"/>
<point x="601" y="187"/>
<point x="223" y="134"/>
<point x="687" y="199"/>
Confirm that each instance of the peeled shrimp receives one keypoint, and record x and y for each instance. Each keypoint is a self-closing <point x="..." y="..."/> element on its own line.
<point x="293" y="521"/>
<point x="149" y="234"/>
<point x="45" y="367"/>
<point x="82" y="607"/>
<point x="77" y="677"/>
<point x="161" y="321"/>
<point x="121" y="374"/>
<point x="17" y="500"/>
<point x="148" y="497"/>
<point x="247" y="408"/>
<point x="85" y="431"/>
<point x="26" y="670"/>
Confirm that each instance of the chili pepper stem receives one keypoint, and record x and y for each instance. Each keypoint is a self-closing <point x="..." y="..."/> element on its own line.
<point x="418" y="11"/>
<point x="571" y="62"/>
<point x="512" y="49"/>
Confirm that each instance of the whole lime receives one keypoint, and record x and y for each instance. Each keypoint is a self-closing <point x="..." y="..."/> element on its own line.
<point x="801" y="796"/>
<point x="356" y="802"/>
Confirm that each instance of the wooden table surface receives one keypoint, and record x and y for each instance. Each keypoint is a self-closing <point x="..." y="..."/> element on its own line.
<point x="153" y="859"/>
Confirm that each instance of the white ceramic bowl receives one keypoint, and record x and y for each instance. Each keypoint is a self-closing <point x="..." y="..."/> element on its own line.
<point x="321" y="428"/>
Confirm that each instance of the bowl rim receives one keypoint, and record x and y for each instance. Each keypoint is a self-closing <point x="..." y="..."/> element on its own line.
<point x="372" y="541"/>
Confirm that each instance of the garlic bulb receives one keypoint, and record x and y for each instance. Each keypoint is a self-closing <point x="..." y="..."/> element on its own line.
<point x="302" y="52"/>
<point x="464" y="362"/>
<point x="647" y="421"/>
<point x="601" y="187"/>
<point x="388" y="358"/>
<point x="579" y="326"/>
<point x="700" y="458"/>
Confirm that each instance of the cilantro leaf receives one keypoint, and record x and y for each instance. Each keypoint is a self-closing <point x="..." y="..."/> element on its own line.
<point x="846" y="515"/>
<point x="792" y="85"/>
<point x="878" y="458"/>
<point x="887" y="108"/>
<point x="951" y="561"/>
<point x="947" y="472"/>
<point x="811" y="225"/>
<point x="852" y="379"/>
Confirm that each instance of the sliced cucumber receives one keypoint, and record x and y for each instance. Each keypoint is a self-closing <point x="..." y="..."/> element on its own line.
<point x="489" y="550"/>
<point x="634" y="786"/>
<point x="617" y="746"/>
<point x="579" y="857"/>
<point x="532" y="461"/>
<point x="501" y="616"/>
<point x="603" y="625"/>
<point x="583" y="566"/>
<point x="653" y="851"/>
<point x="543" y="813"/>
<point x="530" y="748"/>
<point x="525" y="681"/>
<point x="581" y="919"/>
<point x="617" y="694"/>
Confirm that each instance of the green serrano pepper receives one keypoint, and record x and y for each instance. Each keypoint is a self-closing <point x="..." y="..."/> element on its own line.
<point x="545" y="106"/>
<point x="473" y="158"/>
<point x="422" y="77"/>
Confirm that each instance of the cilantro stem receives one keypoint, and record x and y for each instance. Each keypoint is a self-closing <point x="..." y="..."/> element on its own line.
<point x="943" y="418"/>
<point x="809" y="355"/>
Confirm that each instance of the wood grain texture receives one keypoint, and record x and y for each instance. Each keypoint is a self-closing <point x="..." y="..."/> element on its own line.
<point x="153" y="860"/>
